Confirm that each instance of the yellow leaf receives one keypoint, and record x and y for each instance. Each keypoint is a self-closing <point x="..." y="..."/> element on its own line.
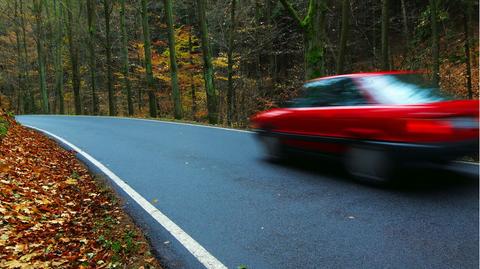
<point x="71" y="181"/>
<point x="13" y="264"/>
<point x="28" y="257"/>
<point x="58" y="263"/>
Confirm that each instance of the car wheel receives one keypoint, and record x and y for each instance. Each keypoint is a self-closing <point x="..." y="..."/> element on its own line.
<point x="273" y="147"/>
<point x="369" y="165"/>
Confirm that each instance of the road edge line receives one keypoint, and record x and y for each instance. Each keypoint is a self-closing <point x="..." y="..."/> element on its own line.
<point x="197" y="250"/>
<point x="149" y="120"/>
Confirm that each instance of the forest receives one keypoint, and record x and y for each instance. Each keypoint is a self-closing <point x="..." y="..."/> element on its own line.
<point x="219" y="61"/>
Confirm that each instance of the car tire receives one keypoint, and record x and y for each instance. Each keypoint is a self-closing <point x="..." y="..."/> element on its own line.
<point x="273" y="147"/>
<point x="369" y="165"/>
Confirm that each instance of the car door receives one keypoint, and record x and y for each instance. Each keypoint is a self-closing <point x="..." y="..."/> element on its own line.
<point x="311" y="106"/>
<point x="322" y="114"/>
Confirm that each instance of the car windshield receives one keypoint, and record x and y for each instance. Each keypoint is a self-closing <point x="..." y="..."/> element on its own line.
<point x="402" y="89"/>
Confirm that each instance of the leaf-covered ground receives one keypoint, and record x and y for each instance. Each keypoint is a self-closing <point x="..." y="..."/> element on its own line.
<point x="53" y="213"/>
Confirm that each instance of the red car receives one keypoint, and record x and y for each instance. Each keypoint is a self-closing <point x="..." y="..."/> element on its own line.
<point x="375" y="121"/>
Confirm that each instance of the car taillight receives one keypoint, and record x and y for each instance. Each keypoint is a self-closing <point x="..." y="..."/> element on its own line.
<point x="429" y="126"/>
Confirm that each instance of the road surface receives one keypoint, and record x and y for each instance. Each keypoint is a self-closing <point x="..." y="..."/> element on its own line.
<point x="216" y="186"/>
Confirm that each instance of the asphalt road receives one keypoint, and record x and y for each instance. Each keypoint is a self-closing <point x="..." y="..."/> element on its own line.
<point x="305" y="213"/>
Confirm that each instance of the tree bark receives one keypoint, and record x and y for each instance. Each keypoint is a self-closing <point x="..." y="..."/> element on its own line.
<point x="313" y="27"/>
<point x="212" y="96"/>
<point x="21" y="81"/>
<point x="466" y="23"/>
<point x="148" y="61"/>
<point x="435" y="41"/>
<point x="272" y="58"/>
<point x="343" y="36"/>
<point x="29" y="103"/>
<point x="192" y="73"/>
<point x="177" y="102"/>
<point x="126" y="64"/>
<point x="405" y="21"/>
<point x="138" y="21"/>
<point x="58" y="55"/>
<point x="73" y="58"/>
<point x="385" y="18"/>
<point x="231" y="89"/>
<point x="92" y="31"/>
<point x="38" y="8"/>
<point x="108" y="50"/>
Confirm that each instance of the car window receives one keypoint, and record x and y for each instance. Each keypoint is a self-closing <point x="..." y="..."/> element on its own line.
<point x="329" y="92"/>
<point x="402" y="89"/>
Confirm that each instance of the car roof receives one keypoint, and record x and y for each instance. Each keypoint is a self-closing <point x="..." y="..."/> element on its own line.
<point x="366" y="74"/>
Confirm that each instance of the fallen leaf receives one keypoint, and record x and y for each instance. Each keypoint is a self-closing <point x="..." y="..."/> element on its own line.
<point x="71" y="181"/>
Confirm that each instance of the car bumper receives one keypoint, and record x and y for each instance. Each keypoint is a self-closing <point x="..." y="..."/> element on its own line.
<point x="428" y="151"/>
<point x="401" y="150"/>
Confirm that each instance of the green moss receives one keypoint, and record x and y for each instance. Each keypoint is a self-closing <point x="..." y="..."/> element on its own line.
<point x="3" y="127"/>
<point x="314" y="60"/>
<point x="314" y="56"/>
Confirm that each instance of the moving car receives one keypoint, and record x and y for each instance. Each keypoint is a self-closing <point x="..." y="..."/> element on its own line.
<point x="374" y="121"/>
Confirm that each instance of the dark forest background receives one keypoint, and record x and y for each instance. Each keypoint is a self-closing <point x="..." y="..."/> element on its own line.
<point x="219" y="61"/>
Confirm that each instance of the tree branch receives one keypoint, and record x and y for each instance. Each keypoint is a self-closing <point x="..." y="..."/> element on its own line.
<point x="293" y="13"/>
<point x="310" y="12"/>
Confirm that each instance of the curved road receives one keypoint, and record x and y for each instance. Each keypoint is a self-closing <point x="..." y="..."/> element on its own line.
<point x="216" y="186"/>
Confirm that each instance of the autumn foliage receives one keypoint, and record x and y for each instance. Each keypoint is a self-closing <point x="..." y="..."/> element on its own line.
<point x="54" y="214"/>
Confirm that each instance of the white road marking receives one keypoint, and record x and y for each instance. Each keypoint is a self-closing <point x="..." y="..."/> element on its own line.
<point x="199" y="252"/>
<point x="149" y="120"/>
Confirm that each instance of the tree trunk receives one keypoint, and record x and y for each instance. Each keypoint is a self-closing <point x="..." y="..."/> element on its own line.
<point x="466" y="22"/>
<point x="315" y="40"/>
<point x="405" y="21"/>
<point x="49" y="49"/>
<point x="231" y="89"/>
<point x="108" y="51"/>
<point x="73" y="59"/>
<point x="212" y="98"/>
<point x="38" y="8"/>
<point x="385" y="18"/>
<point x="58" y="55"/>
<point x="259" y="78"/>
<point x="92" y="31"/>
<point x="272" y="66"/>
<point x="320" y="37"/>
<point x="20" y="66"/>
<point x="138" y="21"/>
<point x="29" y="103"/>
<point x="126" y="64"/>
<point x="435" y="41"/>
<point x="177" y="102"/>
<point x="192" y="79"/>
<point x="148" y="61"/>
<point x="19" y="92"/>
<point x="343" y="36"/>
<point x="313" y="26"/>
